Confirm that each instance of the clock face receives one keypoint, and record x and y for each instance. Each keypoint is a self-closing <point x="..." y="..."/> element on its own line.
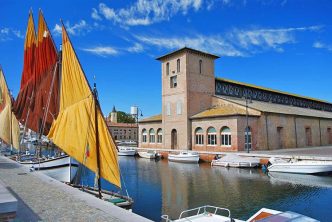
<point x="2" y="99"/>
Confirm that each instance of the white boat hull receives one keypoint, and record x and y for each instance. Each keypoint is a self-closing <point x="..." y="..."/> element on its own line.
<point x="183" y="159"/>
<point x="235" y="164"/>
<point x="126" y="151"/>
<point x="147" y="155"/>
<point x="303" y="167"/>
<point x="63" y="168"/>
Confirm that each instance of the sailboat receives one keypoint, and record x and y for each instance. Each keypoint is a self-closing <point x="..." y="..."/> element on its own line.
<point x="37" y="103"/>
<point x="80" y="129"/>
<point x="9" y="130"/>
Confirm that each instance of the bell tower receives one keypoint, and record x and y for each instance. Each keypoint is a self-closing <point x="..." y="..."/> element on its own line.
<point x="114" y="115"/>
<point x="188" y="84"/>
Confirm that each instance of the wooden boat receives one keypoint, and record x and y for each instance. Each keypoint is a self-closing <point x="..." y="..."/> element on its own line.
<point x="217" y="214"/>
<point x="150" y="154"/>
<point x="126" y="151"/>
<point x="299" y="166"/>
<point x="233" y="160"/>
<point x="63" y="168"/>
<point x="109" y="196"/>
<point x="184" y="157"/>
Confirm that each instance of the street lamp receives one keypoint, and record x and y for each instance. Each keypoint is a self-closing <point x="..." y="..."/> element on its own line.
<point x="136" y="112"/>
<point x="246" y="145"/>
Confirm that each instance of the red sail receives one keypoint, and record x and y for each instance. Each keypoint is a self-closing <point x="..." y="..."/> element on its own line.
<point x="39" y="94"/>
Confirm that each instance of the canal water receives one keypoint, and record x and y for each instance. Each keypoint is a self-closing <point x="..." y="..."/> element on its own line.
<point x="162" y="187"/>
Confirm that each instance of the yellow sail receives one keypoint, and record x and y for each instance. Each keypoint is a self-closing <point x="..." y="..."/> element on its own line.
<point x="74" y="130"/>
<point x="9" y="130"/>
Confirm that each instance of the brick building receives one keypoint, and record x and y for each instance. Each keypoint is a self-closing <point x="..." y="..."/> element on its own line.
<point x="121" y="131"/>
<point x="202" y="112"/>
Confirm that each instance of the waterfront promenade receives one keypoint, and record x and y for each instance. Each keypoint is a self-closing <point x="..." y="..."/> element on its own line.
<point x="41" y="198"/>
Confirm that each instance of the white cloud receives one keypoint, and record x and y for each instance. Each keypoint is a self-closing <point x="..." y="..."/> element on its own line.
<point x="80" y="28"/>
<point x="136" y="48"/>
<point x="103" y="51"/>
<point x="234" y="43"/>
<point x="95" y="15"/>
<point x="145" y="12"/>
<point x="321" y="45"/>
<point x="7" y="34"/>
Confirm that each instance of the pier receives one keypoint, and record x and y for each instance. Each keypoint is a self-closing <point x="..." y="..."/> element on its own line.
<point x="41" y="198"/>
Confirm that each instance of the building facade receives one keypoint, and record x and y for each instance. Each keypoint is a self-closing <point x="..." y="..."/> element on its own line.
<point x="202" y="112"/>
<point x="121" y="131"/>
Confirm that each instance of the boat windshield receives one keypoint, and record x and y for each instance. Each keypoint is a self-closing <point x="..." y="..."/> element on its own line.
<point x="288" y="216"/>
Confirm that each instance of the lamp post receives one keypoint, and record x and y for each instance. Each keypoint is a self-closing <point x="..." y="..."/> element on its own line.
<point x="136" y="112"/>
<point x="246" y="145"/>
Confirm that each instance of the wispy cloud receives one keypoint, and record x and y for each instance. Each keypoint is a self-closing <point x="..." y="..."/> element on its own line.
<point x="79" y="28"/>
<point x="145" y="12"/>
<point x="236" y="42"/>
<point x="103" y="51"/>
<point x="321" y="45"/>
<point x="7" y="34"/>
<point x="136" y="48"/>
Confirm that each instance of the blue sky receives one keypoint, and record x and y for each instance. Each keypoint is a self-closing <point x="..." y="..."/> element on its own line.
<point x="281" y="44"/>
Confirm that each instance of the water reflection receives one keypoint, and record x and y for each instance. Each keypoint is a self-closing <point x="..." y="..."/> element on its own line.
<point x="168" y="188"/>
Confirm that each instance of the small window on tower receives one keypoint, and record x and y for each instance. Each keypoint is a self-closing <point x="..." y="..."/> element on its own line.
<point x="167" y="68"/>
<point x="178" y="65"/>
<point x="174" y="82"/>
<point x="200" y="66"/>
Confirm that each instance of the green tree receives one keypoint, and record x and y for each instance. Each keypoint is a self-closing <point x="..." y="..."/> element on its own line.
<point x="125" y="118"/>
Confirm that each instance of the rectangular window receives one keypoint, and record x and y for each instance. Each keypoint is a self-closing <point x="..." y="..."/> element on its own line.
<point x="168" y="109"/>
<point x="247" y="142"/>
<point x="212" y="139"/>
<point x="226" y="139"/>
<point x="167" y="68"/>
<point x="174" y="82"/>
<point x="152" y="139"/>
<point x="178" y="108"/>
<point x="144" y="139"/>
<point x="199" y="139"/>
<point x="160" y="138"/>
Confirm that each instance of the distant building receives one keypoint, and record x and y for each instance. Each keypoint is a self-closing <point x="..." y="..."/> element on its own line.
<point x="121" y="131"/>
<point x="202" y="112"/>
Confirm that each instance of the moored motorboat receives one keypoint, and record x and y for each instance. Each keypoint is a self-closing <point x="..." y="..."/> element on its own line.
<point x="63" y="168"/>
<point x="185" y="157"/>
<point x="217" y="214"/>
<point x="150" y="154"/>
<point x="126" y="151"/>
<point x="299" y="166"/>
<point x="233" y="160"/>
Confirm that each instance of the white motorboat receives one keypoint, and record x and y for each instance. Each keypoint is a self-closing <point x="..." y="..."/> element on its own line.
<point x="299" y="166"/>
<point x="185" y="157"/>
<point x="217" y="214"/>
<point x="150" y="154"/>
<point x="126" y="151"/>
<point x="62" y="168"/>
<point x="233" y="160"/>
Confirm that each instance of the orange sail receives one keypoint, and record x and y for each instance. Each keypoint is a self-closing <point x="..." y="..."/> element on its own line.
<point x="9" y="130"/>
<point x="37" y="102"/>
<point x="80" y="123"/>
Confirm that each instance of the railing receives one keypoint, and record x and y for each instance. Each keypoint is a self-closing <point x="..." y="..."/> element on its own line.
<point x="200" y="210"/>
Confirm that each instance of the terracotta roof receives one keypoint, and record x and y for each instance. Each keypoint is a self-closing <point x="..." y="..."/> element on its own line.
<point x="132" y="125"/>
<point x="188" y="49"/>
<point x="225" y="110"/>
<point x="271" y="90"/>
<point x="278" y="108"/>
<point x="156" y="118"/>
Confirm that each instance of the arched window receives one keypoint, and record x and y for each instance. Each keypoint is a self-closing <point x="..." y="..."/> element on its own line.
<point x="159" y="136"/>
<point x="212" y="136"/>
<point x="226" y="137"/>
<point x="167" y="68"/>
<point x="178" y="65"/>
<point x="199" y="136"/>
<point x="247" y="138"/>
<point x="152" y="136"/>
<point x="144" y="135"/>
<point x="200" y="66"/>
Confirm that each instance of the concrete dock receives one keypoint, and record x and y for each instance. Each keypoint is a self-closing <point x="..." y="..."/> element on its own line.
<point x="41" y="198"/>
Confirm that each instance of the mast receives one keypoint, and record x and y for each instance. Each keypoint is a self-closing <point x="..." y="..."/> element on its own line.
<point x="95" y="95"/>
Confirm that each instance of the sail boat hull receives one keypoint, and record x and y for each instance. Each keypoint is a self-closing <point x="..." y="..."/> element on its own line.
<point x="62" y="168"/>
